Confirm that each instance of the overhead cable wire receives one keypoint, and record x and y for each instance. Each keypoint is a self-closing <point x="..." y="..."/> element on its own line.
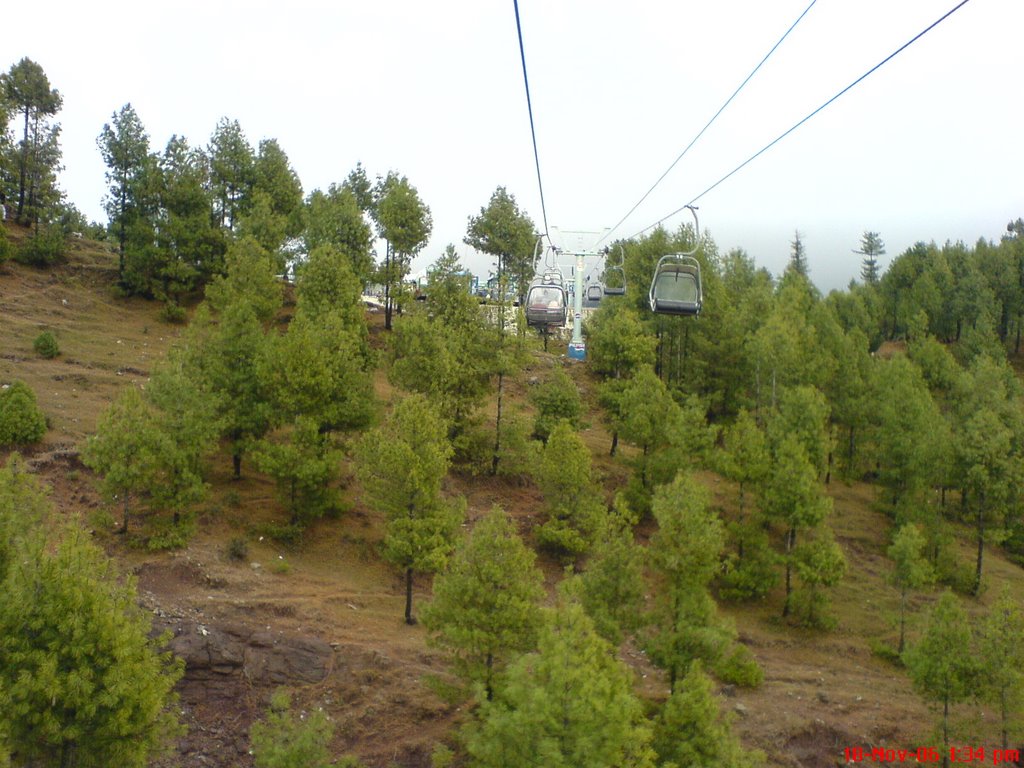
<point x="721" y="109"/>
<point x="775" y="141"/>
<point x="529" y="107"/>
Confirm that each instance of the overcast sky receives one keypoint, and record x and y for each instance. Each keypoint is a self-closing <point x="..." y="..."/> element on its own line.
<point x="927" y="148"/>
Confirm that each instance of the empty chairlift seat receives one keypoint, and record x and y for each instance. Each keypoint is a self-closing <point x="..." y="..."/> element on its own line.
<point x="676" y="287"/>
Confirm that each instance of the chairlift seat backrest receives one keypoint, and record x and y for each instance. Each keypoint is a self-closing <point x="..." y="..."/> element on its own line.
<point x="676" y="288"/>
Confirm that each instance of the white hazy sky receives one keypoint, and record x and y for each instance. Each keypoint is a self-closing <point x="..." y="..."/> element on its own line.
<point x="927" y="148"/>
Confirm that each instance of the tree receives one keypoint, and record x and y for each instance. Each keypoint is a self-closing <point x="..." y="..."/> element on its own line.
<point x="941" y="665"/>
<point x="232" y="170"/>
<point x="82" y="684"/>
<point x="506" y="233"/>
<point x="486" y="604"/>
<point x="125" y="150"/>
<point x="574" y="506"/>
<point x="129" y="450"/>
<point x="684" y="553"/>
<point x="612" y="583"/>
<point x="303" y="468"/>
<point x="794" y="498"/>
<point x="1001" y="654"/>
<point x="21" y="421"/>
<point x="617" y="343"/>
<point x="403" y="220"/>
<point x="912" y="569"/>
<point x="317" y="371"/>
<point x="401" y="465"/>
<point x="326" y="284"/>
<point x="569" y="704"/>
<point x="23" y="508"/>
<point x="798" y="256"/>
<point x="556" y="400"/>
<point x="28" y="91"/>
<point x="819" y="562"/>
<point x="250" y="278"/>
<point x="277" y="183"/>
<point x="871" y="247"/>
<point x="690" y="731"/>
<point x="289" y="740"/>
<point x="334" y="218"/>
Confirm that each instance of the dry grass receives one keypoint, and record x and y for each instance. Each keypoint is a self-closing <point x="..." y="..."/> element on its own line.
<point x="822" y="691"/>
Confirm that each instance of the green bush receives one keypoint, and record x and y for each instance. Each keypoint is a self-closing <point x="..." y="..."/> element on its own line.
<point x="21" y="421"/>
<point x="46" y="345"/>
<point x="6" y="249"/>
<point x="172" y="313"/>
<point x="43" y="249"/>
<point x="238" y="548"/>
<point x="739" y="667"/>
<point x="168" y="533"/>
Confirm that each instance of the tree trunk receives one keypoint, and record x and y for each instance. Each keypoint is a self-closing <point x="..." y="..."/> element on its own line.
<point x="387" y="286"/>
<point x="945" y="732"/>
<point x="236" y="463"/>
<point x="790" y="543"/>
<point x="981" y="543"/>
<point x="615" y="442"/>
<point x="903" y="613"/>
<point x="850" y="447"/>
<point x="409" y="619"/>
<point x="497" y="428"/>
<point x="124" y="516"/>
<point x="21" y="172"/>
<point x="488" y="688"/>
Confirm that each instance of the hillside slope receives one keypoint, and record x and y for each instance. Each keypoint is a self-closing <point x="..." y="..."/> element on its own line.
<point x="325" y="617"/>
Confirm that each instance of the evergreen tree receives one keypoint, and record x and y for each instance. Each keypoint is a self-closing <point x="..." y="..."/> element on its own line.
<point x="1001" y="655"/>
<point x="124" y="145"/>
<point x="556" y="400"/>
<point x="612" y="583"/>
<point x="912" y="570"/>
<point x="685" y="552"/>
<point x="81" y="682"/>
<point x="326" y="285"/>
<point x="303" y="468"/>
<point x="569" y="704"/>
<point x="617" y="343"/>
<point x="401" y="465"/>
<point x="130" y="451"/>
<point x="798" y="255"/>
<point x="232" y="172"/>
<point x="403" y="220"/>
<point x="290" y="740"/>
<point x="941" y="665"/>
<point x="506" y="233"/>
<point x="690" y="731"/>
<point x="250" y="278"/>
<point x="871" y="247"/>
<point x="819" y="563"/>
<point x="23" y="508"/>
<point x="21" y="421"/>
<point x="37" y="156"/>
<point x="334" y="218"/>
<point x="486" y="604"/>
<point x="574" y="508"/>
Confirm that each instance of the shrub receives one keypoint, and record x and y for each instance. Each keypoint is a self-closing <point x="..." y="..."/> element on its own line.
<point x="238" y="548"/>
<point x="46" y="345"/>
<point x="43" y="249"/>
<point x="739" y="667"/>
<point x="172" y="313"/>
<point x="21" y="421"/>
<point x="6" y="249"/>
<point x="170" y="533"/>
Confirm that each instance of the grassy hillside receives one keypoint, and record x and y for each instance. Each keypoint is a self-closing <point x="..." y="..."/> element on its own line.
<point x="387" y="691"/>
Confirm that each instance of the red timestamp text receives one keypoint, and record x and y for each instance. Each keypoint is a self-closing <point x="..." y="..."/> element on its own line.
<point x="956" y="755"/>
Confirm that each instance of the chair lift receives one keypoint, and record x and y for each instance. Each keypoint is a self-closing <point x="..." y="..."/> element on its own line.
<point x="676" y="286"/>
<point x="616" y="290"/>
<point x="547" y="302"/>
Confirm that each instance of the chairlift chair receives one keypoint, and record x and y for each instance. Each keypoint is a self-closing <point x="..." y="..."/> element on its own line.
<point x="546" y="300"/>
<point x="676" y="286"/>
<point x="616" y="290"/>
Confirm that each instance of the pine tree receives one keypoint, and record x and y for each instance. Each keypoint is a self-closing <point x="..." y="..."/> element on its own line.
<point x="819" y="563"/>
<point x="690" y="730"/>
<point x="286" y="739"/>
<point x="249" y="278"/>
<point x="486" y="604"/>
<point x="871" y="247"/>
<point x="1001" y="654"/>
<point x="684" y="553"/>
<point x="401" y="465"/>
<point x="798" y="255"/>
<point x="23" y="508"/>
<point x="569" y="704"/>
<point x="574" y="508"/>
<point x="941" y="665"/>
<point x="403" y="220"/>
<point x="556" y="399"/>
<point x="912" y="569"/>
<point x="21" y="421"/>
<point x="81" y="682"/>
